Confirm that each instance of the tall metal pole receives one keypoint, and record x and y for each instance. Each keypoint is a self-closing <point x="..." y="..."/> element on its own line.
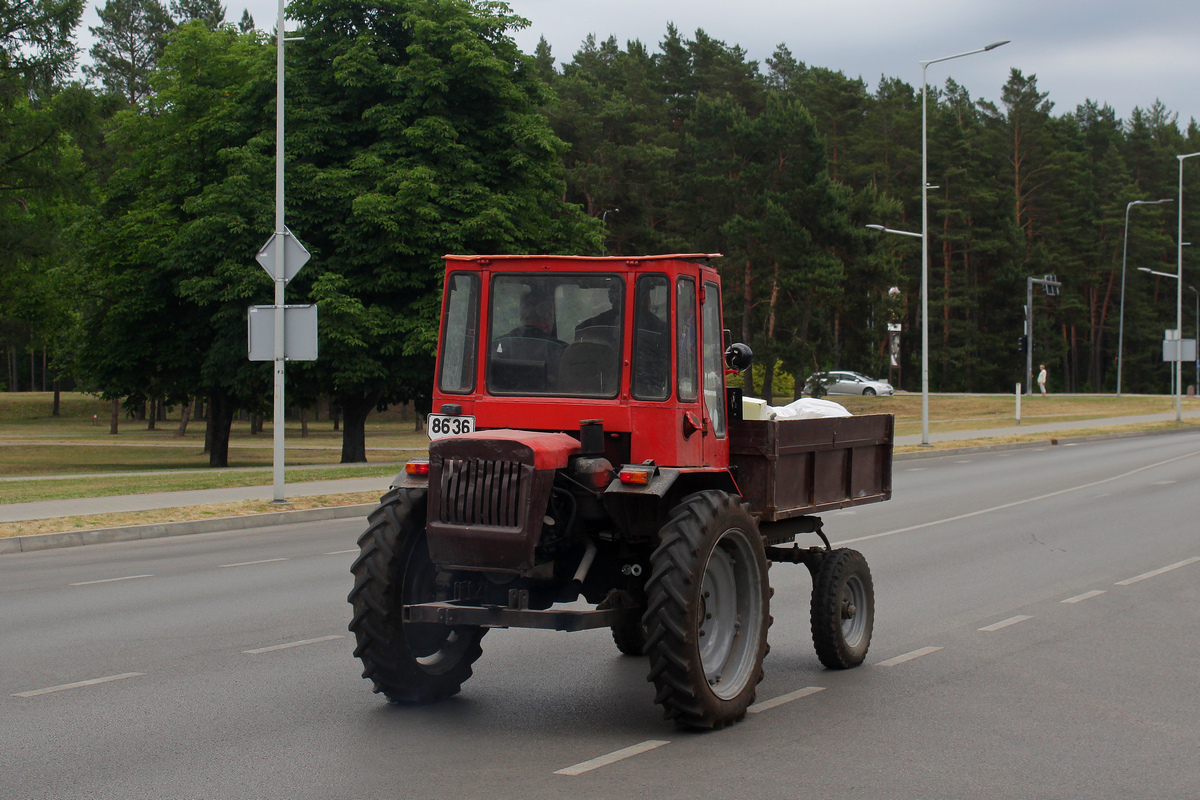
<point x="1179" y="299"/>
<point x="1197" y="383"/>
<point x="924" y="259"/>
<point x="925" y="235"/>
<point x="280" y="276"/>
<point x="1029" y="336"/>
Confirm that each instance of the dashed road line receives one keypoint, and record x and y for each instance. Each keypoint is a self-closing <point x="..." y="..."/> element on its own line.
<point x="774" y="702"/>
<point x="1015" y="503"/>
<point x="300" y="643"/>
<point x="342" y="552"/>
<point x="1079" y="598"/>
<point x="251" y="563"/>
<point x="79" y="684"/>
<point x="900" y="659"/>
<point x="1004" y="623"/>
<point x="611" y="758"/>
<point x="111" y="580"/>
<point x="1155" y="573"/>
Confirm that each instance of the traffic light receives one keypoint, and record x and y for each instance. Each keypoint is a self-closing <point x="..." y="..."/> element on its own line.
<point x="1022" y="342"/>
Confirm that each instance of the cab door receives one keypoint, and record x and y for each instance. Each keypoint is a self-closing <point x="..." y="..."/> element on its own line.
<point x="712" y="364"/>
<point x="689" y="422"/>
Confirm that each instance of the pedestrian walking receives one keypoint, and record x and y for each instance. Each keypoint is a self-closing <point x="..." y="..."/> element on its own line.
<point x="1042" y="380"/>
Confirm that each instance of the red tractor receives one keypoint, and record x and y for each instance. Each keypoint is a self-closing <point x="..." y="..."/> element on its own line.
<point x="584" y="447"/>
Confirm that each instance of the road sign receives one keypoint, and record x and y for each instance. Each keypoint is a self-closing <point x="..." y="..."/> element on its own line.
<point x="1171" y="348"/>
<point x="295" y="255"/>
<point x="299" y="337"/>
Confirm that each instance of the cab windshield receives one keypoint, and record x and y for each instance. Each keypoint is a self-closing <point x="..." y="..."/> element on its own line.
<point x="556" y="334"/>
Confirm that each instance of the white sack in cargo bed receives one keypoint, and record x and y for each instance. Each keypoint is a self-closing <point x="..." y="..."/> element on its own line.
<point x="808" y="408"/>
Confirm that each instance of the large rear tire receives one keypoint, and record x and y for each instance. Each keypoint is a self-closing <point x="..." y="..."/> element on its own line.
<point x="407" y="662"/>
<point x="708" y="611"/>
<point x="843" y="609"/>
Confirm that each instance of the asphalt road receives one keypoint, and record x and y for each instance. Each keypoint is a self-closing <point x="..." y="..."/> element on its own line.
<point x="1038" y="613"/>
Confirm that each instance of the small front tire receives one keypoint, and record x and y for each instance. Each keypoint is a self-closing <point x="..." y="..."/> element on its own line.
<point x="843" y="609"/>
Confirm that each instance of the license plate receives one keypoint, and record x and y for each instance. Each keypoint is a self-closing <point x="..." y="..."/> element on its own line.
<point x="439" y="426"/>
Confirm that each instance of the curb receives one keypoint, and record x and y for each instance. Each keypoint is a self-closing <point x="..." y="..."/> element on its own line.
<point x="47" y="541"/>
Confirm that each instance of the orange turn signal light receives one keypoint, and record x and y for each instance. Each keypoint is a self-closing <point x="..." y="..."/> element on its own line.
<point x="418" y="466"/>
<point x="639" y="475"/>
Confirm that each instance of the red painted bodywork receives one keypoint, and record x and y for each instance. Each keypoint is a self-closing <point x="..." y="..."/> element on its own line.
<point x="656" y="428"/>
<point x="550" y="450"/>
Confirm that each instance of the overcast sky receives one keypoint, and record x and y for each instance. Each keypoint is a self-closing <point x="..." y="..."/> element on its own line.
<point x="1124" y="54"/>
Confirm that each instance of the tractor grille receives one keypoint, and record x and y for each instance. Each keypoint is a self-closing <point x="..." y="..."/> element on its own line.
<point x="476" y="491"/>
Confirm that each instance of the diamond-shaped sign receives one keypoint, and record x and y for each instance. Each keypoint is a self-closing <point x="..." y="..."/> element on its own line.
<point x="295" y="255"/>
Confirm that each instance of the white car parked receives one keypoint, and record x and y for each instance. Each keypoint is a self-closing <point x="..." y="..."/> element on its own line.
<point x="846" y="383"/>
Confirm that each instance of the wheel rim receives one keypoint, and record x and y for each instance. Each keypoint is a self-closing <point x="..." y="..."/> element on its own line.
<point x="436" y="648"/>
<point x="854" y="611"/>
<point x="730" y="615"/>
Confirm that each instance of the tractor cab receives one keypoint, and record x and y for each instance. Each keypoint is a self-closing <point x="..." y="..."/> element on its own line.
<point x="548" y="343"/>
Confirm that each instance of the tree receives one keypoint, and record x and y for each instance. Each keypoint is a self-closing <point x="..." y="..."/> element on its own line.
<point x="36" y="50"/>
<point x="210" y="12"/>
<point x="418" y="131"/>
<point x="129" y="42"/>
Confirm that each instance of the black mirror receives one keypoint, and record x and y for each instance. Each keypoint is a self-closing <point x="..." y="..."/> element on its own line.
<point x="739" y="356"/>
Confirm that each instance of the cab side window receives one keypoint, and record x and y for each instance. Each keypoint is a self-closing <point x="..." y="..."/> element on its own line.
<point x="651" y="339"/>
<point x="460" y="334"/>
<point x="687" y="373"/>
<point x="714" y="363"/>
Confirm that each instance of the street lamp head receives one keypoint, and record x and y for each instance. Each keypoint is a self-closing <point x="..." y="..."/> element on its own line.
<point x="874" y="227"/>
<point x="994" y="45"/>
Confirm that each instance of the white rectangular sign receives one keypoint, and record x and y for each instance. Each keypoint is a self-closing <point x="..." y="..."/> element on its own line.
<point x="1171" y="349"/>
<point x="299" y="333"/>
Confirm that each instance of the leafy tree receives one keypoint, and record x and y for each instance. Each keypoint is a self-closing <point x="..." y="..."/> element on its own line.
<point x="419" y="131"/>
<point x="167" y="267"/>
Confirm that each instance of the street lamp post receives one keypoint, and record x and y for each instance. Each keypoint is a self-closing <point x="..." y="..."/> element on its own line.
<point x="925" y="233"/>
<point x="1179" y="297"/>
<point x="1124" y="250"/>
<point x="1177" y="364"/>
<point x="1193" y="290"/>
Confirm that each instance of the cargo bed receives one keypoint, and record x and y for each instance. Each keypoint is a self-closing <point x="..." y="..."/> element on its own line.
<point x="789" y="468"/>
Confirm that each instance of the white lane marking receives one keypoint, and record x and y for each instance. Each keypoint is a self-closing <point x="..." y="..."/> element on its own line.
<point x="1079" y="598"/>
<point x="342" y="552"/>
<point x="111" y="580"/>
<point x="250" y="563"/>
<point x="924" y="651"/>
<point x="1004" y="623"/>
<point x="611" y="758"/>
<point x="1015" y="503"/>
<point x="300" y="643"/>
<point x="1159" y="571"/>
<point x="78" y="684"/>
<point x="916" y="469"/>
<point x="1164" y="483"/>
<point x="784" y="698"/>
<point x="963" y="462"/>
